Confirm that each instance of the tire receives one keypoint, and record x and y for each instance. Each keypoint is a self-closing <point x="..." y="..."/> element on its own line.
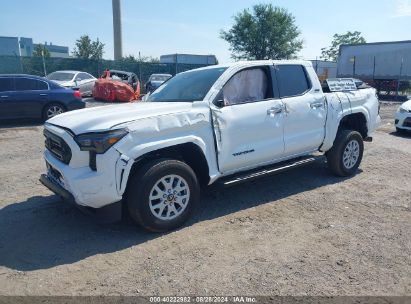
<point x="400" y="131"/>
<point x="156" y="208"/>
<point x="345" y="156"/>
<point x="55" y="108"/>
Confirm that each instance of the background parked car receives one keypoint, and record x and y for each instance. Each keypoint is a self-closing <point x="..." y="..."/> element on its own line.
<point x="74" y="79"/>
<point x="155" y="81"/>
<point x="403" y="117"/>
<point x="27" y="96"/>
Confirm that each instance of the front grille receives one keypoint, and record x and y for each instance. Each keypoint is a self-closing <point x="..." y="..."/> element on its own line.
<point x="407" y="122"/>
<point x="58" y="147"/>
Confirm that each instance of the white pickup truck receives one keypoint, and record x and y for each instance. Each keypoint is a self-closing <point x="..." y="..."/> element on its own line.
<point x="225" y="124"/>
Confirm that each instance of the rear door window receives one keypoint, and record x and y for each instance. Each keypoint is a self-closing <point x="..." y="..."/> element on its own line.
<point x="26" y="84"/>
<point x="6" y="84"/>
<point x="84" y="76"/>
<point x="29" y="84"/>
<point x="292" y="80"/>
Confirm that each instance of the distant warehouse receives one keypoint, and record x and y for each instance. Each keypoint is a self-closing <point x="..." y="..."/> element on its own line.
<point x="189" y="59"/>
<point x="380" y="60"/>
<point x="21" y="46"/>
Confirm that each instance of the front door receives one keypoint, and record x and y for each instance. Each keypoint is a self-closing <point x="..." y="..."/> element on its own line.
<point x="305" y="108"/>
<point x="248" y="121"/>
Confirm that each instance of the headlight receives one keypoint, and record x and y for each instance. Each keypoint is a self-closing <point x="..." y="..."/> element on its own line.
<point x="99" y="142"/>
<point x="402" y="110"/>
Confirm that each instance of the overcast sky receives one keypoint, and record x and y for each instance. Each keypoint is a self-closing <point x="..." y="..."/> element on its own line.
<point x="156" y="27"/>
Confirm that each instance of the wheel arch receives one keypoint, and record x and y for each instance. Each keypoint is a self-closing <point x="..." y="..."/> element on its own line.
<point x="355" y="121"/>
<point x="189" y="152"/>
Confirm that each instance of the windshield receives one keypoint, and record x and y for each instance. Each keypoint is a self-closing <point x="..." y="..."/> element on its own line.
<point x="187" y="87"/>
<point x="61" y="76"/>
<point x="159" y="77"/>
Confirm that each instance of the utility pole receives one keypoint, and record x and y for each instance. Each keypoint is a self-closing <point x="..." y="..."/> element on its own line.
<point x="118" y="41"/>
<point x="44" y="63"/>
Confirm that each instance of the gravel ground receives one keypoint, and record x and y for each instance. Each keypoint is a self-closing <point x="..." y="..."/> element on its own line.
<point x="303" y="232"/>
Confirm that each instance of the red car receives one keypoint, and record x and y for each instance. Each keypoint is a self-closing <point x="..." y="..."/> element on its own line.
<point x="116" y="85"/>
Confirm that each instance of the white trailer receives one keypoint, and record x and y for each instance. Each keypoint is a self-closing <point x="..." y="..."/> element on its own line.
<point x="384" y="65"/>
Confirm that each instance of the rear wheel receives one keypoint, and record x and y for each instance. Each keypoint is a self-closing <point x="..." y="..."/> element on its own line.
<point x="162" y="194"/>
<point x="52" y="110"/>
<point x="345" y="156"/>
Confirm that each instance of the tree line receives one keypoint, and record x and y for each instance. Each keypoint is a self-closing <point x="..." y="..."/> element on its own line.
<point x="262" y="32"/>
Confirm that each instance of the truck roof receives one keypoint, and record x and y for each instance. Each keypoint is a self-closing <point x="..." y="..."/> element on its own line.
<point x="252" y="63"/>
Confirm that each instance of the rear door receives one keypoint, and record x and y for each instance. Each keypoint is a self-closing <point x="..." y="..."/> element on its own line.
<point x="30" y="97"/>
<point x="6" y="97"/>
<point x="305" y="107"/>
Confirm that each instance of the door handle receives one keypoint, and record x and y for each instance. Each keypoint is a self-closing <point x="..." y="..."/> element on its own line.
<point x="4" y="96"/>
<point x="316" y="104"/>
<point x="43" y="94"/>
<point x="275" y="110"/>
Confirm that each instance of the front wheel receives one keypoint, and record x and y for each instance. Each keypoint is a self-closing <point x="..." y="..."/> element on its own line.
<point x="345" y="156"/>
<point x="162" y="194"/>
<point x="52" y="110"/>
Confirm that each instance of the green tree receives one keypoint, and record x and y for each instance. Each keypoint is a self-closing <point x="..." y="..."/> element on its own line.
<point x="331" y="53"/>
<point x="266" y="32"/>
<point x="87" y="49"/>
<point x="40" y="51"/>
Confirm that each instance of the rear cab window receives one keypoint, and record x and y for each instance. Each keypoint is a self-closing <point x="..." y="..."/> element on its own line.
<point x="292" y="80"/>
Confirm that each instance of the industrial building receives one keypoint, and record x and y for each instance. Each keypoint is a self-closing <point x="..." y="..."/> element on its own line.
<point x="189" y="59"/>
<point x="22" y="46"/>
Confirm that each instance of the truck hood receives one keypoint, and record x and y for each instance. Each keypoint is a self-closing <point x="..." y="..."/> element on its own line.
<point x="407" y="105"/>
<point x="105" y="117"/>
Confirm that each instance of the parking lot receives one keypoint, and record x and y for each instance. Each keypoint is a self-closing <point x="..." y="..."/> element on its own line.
<point x="303" y="232"/>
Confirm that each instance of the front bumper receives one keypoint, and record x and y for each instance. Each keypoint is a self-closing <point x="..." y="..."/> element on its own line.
<point x="108" y="214"/>
<point x="77" y="182"/>
<point x="57" y="189"/>
<point x="403" y="120"/>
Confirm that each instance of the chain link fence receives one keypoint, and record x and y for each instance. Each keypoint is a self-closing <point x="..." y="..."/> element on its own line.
<point x="36" y="66"/>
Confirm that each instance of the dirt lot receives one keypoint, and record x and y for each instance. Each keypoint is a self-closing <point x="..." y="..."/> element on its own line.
<point x="303" y="232"/>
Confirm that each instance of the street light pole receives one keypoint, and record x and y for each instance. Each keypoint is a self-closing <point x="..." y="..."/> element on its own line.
<point x="118" y="41"/>
<point x="44" y="63"/>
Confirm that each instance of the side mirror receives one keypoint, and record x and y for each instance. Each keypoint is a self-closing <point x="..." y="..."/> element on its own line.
<point x="219" y="103"/>
<point x="219" y="100"/>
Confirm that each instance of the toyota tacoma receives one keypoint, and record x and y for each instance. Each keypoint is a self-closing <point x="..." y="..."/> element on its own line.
<point x="214" y="125"/>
